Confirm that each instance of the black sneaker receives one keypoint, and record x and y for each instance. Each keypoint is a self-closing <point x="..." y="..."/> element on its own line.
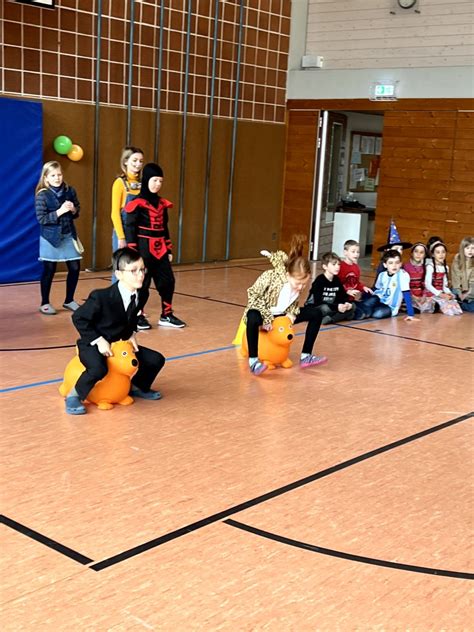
<point x="171" y="321"/>
<point x="142" y="323"/>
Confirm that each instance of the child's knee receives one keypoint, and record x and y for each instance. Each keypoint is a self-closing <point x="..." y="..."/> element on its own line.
<point x="98" y="372"/>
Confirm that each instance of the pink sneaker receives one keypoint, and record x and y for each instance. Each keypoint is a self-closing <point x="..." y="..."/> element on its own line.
<point x="312" y="360"/>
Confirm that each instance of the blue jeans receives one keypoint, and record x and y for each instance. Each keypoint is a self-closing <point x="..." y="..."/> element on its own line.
<point x="467" y="306"/>
<point x="372" y="307"/>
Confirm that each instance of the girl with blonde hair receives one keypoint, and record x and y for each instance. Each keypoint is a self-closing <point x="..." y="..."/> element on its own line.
<point x="462" y="274"/>
<point x="57" y="208"/>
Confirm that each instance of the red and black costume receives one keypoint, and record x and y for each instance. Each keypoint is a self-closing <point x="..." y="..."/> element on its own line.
<point x="146" y="230"/>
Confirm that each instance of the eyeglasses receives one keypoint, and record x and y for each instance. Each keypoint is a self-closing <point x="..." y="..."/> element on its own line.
<point x="135" y="271"/>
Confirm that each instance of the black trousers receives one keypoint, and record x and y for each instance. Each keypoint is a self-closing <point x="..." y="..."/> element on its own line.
<point x="308" y="314"/>
<point x="161" y="272"/>
<point x="334" y="315"/>
<point x="150" y="364"/>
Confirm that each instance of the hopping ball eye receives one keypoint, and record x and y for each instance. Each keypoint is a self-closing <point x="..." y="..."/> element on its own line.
<point x="281" y="329"/>
<point x="125" y="353"/>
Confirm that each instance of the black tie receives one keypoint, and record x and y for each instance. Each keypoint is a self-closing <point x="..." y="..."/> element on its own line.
<point x="131" y="306"/>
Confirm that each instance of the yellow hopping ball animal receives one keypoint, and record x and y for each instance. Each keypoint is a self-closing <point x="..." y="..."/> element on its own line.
<point x="115" y="387"/>
<point x="274" y="345"/>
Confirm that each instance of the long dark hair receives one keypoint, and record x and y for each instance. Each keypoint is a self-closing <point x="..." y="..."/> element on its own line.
<point x="433" y="243"/>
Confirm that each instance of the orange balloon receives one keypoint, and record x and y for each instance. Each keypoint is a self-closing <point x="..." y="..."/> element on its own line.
<point x="76" y="153"/>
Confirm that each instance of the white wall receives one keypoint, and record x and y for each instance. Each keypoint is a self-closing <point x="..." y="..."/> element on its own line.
<point x="433" y="61"/>
<point x="357" y="122"/>
<point x="364" y="34"/>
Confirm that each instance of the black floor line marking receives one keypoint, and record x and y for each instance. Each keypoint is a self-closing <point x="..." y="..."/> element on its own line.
<point x="385" y="333"/>
<point x="204" y="522"/>
<point x="39" y="537"/>
<point x="256" y="269"/>
<point x="41" y="348"/>
<point x="348" y="556"/>
<point x="20" y="283"/>
<point x="208" y="298"/>
<point x="206" y="269"/>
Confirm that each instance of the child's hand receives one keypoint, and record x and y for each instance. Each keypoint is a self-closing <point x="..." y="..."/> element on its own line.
<point x="354" y="293"/>
<point x="410" y="318"/>
<point x="445" y="295"/>
<point x="369" y="290"/>
<point x="170" y="257"/>
<point x="122" y="243"/>
<point x="265" y="253"/>
<point x="133" y="342"/>
<point x="292" y="317"/>
<point x="267" y="327"/>
<point x="64" y="208"/>
<point x="104" y="348"/>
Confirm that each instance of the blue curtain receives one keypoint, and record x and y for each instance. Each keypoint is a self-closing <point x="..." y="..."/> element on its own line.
<point x="21" y="160"/>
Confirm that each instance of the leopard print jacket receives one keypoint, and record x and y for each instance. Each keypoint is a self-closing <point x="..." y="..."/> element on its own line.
<point x="265" y="291"/>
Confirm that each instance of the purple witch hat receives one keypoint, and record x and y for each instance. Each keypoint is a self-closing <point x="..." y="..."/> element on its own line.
<point x="393" y="239"/>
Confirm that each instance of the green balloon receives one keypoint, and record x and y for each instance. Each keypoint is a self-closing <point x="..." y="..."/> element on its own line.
<point x="62" y="144"/>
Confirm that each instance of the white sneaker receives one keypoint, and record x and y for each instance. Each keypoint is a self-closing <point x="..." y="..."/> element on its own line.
<point x="48" y="310"/>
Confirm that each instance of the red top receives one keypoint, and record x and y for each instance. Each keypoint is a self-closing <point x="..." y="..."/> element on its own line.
<point x="350" y="277"/>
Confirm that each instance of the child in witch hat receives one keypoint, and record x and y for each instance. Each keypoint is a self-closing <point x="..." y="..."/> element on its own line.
<point x="393" y="243"/>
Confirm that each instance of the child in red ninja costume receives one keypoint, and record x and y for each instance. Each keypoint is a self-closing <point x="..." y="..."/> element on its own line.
<point x="146" y="230"/>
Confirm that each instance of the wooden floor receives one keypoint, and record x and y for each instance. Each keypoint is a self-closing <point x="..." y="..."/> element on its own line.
<point x="336" y="498"/>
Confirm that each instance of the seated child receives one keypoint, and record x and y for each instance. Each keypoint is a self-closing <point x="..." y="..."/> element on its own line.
<point x="349" y="272"/>
<point x="327" y="293"/>
<point x="392" y="286"/>
<point x="393" y="243"/>
<point x="436" y="279"/>
<point x="276" y="293"/>
<point x="463" y="274"/>
<point x="416" y="269"/>
<point x="108" y="315"/>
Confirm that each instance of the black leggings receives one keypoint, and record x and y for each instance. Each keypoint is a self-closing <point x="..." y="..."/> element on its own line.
<point x="308" y="314"/>
<point x="161" y="272"/>
<point x="49" y="269"/>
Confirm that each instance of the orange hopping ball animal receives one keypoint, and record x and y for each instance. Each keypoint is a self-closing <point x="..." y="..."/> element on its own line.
<point x="115" y="387"/>
<point x="274" y="345"/>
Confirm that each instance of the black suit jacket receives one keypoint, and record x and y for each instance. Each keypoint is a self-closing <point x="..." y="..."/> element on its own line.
<point x="103" y="314"/>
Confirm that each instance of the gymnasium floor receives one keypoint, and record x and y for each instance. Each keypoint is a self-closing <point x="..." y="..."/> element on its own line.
<point x="335" y="498"/>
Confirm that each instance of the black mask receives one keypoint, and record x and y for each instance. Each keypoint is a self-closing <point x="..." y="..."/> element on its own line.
<point x="150" y="170"/>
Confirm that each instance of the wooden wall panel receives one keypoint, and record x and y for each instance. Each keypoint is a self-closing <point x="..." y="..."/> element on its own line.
<point x="257" y="180"/>
<point x="427" y="193"/>
<point x="257" y="190"/>
<point x="300" y="162"/>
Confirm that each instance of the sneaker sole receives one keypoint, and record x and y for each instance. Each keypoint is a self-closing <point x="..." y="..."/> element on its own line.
<point x="171" y="325"/>
<point x="308" y="366"/>
<point x="143" y="328"/>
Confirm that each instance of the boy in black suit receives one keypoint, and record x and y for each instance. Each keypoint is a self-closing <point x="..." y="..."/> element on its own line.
<point x="109" y="315"/>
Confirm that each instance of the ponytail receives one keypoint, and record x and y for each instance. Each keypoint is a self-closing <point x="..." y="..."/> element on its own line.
<point x="297" y="265"/>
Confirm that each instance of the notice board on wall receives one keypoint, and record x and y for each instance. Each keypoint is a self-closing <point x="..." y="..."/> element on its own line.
<point x="364" y="161"/>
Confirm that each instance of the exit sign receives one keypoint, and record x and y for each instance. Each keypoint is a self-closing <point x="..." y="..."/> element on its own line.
<point x="383" y="91"/>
